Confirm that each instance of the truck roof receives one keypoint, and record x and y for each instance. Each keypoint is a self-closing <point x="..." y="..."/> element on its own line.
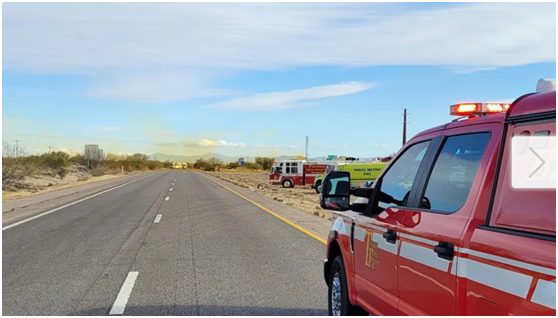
<point x="524" y="105"/>
<point x="535" y="103"/>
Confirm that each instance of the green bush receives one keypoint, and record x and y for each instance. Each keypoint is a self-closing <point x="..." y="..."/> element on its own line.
<point x="265" y="162"/>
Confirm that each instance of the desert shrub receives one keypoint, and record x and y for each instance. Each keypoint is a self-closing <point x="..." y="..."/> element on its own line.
<point x="211" y="164"/>
<point x="265" y="162"/>
<point x="233" y="165"/>
<point x="99" y="171"/>
<point x="253" y="166"/>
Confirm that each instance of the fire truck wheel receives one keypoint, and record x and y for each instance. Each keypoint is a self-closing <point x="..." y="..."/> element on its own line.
<point x="287" y="183"/>
<point x="318" y="185"/>
<point x="338" y="295"/>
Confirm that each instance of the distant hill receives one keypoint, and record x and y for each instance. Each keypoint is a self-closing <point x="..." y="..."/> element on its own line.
<point x="172" y="158"/>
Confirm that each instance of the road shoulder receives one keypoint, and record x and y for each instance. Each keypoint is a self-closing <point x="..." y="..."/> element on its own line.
<point x="313" y="224"/>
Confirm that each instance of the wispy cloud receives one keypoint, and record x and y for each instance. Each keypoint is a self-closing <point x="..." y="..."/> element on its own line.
<point x="469" y="70"/>
<point x="157" y="87"/>
<point x="172" y="51"/>
<point x="294" y="98"/>
<point x="268" y="147"/>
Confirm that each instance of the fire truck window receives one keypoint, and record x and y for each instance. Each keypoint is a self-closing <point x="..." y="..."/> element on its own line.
<point x="398" y="180"/>
<point x="294" y="170"/>
<point x="288" y="168"/>
<point x="278" y="170"/>
<point x="455" y="168"/>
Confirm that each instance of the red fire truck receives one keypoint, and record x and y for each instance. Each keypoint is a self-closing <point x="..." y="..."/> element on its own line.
<point x="289" y="173"/>
<point x="453" y="225"/>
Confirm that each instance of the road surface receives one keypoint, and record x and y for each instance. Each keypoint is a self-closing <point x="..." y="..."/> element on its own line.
<point x="145" y="249"/>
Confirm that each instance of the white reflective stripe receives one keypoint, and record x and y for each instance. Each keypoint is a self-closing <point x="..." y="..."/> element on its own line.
<point x="340" y="227"/>
<point x="545" y="294"/>
<point x="423" y="255"/>
<point x="347" y="228"/>
<point x="531" y="267"/>
<point x="418" y="239"/>
<point x="384" y="245"/>
<point x="454" y="266"/>
<point x="498" y="278"/>
<point x="377" y="228"/>
<point x="359" y="233"/>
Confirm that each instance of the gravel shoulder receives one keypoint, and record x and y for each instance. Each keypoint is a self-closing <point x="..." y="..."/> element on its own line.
<point x="301" y="198"/>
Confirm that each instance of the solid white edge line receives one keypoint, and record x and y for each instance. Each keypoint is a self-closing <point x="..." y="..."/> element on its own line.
<point x="125" y="291"/>
<point x="167" y="198"/>
<point x="69" y="204"/>
<point x="158" y="218"/>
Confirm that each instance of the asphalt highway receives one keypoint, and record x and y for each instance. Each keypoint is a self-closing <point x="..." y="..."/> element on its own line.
<point x="144" y="249"/>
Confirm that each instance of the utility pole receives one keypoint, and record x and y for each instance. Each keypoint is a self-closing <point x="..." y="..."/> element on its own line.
<point x="17" y="147"/>
<point x="404" y="126"/>
<point x="306" y="149"/>
<point x="48" y="149"/>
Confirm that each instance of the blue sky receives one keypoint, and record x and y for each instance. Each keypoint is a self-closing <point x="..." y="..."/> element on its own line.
<point x="255" y="79"/>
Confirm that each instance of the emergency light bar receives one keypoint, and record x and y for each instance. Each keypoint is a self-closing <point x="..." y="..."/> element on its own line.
<point x="470" y="109"/>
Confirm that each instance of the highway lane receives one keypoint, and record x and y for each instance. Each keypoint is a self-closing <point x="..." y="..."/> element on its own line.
<point x="210" y="253"/>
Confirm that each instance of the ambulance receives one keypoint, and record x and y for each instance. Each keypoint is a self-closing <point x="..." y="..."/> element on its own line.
<point x="289" y="173"/>
<point x="361" y="173"/>
<point x="462" y="221"/>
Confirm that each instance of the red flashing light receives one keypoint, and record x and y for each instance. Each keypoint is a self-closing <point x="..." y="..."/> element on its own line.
<point x="466" y="108"/>
<point x="472" y="109"/>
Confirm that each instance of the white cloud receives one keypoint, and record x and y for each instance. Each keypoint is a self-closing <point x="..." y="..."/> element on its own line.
<point x="294" y="98"/>
<point x="172" y="51"/>
<point x="223" y="143"/>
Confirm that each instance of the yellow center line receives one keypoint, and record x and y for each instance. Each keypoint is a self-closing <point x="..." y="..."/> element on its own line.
<point x="303" y="230"/>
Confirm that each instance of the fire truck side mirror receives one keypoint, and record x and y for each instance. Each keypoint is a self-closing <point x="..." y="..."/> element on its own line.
<point x="336" y="191"/>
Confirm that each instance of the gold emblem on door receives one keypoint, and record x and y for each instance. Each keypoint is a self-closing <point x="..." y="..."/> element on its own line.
<point x="372" y="258"/>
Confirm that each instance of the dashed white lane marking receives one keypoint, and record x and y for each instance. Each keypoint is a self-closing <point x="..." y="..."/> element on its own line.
<point x="70" y="204"/>
<point x="125" y="291"/>
<point x="158" y="218"/>
<point x="171" y="189"/>
<point x="167" y="198"/>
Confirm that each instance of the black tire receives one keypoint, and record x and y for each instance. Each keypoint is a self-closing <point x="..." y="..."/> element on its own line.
<point x="287" y="183"/>
<point x="317" y="186"/>
<point x="347" y="309"/>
